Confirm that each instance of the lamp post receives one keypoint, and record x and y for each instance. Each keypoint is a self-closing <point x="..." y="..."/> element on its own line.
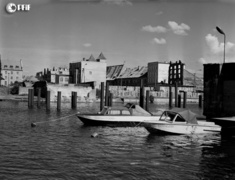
<point x="222" y="32"/>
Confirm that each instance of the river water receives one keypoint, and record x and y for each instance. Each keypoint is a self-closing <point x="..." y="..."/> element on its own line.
<point x="60" y="147"/>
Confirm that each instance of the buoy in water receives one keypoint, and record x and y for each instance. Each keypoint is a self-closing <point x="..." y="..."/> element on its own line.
<point x="33" y="125"/>
<point x="94" y="135"/>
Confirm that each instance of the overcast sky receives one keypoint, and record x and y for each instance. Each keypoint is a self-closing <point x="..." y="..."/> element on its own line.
<point x="56" y="32"/>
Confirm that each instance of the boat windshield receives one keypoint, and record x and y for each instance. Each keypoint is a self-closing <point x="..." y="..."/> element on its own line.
<point x="167" y="116"/>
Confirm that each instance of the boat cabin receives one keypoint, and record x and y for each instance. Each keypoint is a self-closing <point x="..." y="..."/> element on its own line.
<point x="178" y="115"/>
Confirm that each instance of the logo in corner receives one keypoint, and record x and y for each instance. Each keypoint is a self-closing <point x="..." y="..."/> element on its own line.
<point x="11" y="8"/>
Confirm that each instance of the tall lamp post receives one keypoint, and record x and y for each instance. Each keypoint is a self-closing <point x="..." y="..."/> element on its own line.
<point x="222" y="32"/>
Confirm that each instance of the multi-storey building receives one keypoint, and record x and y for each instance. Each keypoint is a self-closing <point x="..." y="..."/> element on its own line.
<point x="89" y="70"/>
<point x="11" y="72"/>
<point x="56" y="75"/>
<point x="157" y="73"/>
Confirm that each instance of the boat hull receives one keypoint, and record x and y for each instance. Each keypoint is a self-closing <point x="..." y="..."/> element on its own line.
<point x="116" y="121"/>
<point x="181" y="129"/>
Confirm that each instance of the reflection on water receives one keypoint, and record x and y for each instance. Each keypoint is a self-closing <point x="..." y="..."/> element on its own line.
<point x="64" y="149"/>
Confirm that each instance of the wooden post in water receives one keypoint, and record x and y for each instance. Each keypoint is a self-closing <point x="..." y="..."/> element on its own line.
<point x="102" y="96"/>
<point x="58" y="100"/>
<point x="107" y="94"/>
<point x="176" y="94"/>
<point x="179" y="100"/>
<point x="110" y="99"/>
<point x="170" y="96"/>
<point x="185" y="99"/>
<point x="200" y="101"/>
<point x="48" y="100"/>
<point x="141" y="100"/>
<point x="39" y="97"/>
<point x="147" y="101"/>
<point x="30" y="98"/>
<point x="72" y="103"/>
<point x="75" y="100"/>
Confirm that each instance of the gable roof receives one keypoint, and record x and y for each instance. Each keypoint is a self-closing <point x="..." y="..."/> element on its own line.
<point x="134" y="72"/>
<point x="113" y="72"/>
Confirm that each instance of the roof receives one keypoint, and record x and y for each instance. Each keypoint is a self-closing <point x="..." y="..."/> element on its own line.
<point x="113" y="72"/>
<point x="188" y="115"/>
<point x="91" y="58"/>
<point x="101" y="56"/>
<point x="134" y="72"/>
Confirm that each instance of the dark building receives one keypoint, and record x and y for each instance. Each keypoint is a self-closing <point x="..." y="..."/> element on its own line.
<point x="219" y="90"/>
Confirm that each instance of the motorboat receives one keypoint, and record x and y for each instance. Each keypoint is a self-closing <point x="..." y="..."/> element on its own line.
<point x="129" y="115"/>
<point x="181" y="121"/>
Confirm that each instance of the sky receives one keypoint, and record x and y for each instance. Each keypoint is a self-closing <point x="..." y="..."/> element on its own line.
<point x="54" y="33"/>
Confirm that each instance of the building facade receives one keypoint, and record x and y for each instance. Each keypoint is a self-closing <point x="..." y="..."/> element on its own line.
<point x="157" y="73"/>
<point x="11" y="72"/>
<point x="89" y="71"/>
<point x="56" y="75"/>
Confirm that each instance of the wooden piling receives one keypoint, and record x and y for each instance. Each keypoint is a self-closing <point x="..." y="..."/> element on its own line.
<point x="58" y="100"/>
<point x="48" y="100"/>
<point x="200" y="101"/>
<point x="75" y="100"/>
<point x="141" y="98"/>
<point x="30" y="98"/>
<point x="39" y="98"/>
<point x="107" y="94"/>
<point x="72" y="98"/>
<point x="102" y="96"/>
<point x="110" y="99"/>
<point x="170" y="97"/>
<point x="185" y="99"/>
<point x="179" y="100"/>
<point x="147" y="101"/>
<point x="176" y="94"/>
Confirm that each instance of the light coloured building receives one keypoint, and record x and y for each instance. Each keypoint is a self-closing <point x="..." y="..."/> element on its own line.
<point x="157" y="73"/>
<point x="11" y="72"/>
<point x="89" y="70"/>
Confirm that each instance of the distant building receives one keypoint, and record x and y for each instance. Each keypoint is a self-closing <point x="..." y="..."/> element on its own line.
<point x="11" y="72"/>
<point x="56" y="75"/>
<point x="157" y="73"/>
<point x="131" y="77"/>
<point x="89" y="70"/>
<point x="113" y="72"/>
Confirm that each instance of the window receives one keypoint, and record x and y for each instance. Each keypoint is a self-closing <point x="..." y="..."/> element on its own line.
<point x="5" y="77"/>
<point x="17" y="72"/>
<point x="11" y="77"/>
<point x="17" y="66"/>
<point x="5" y="72"/>
<point x="5" y="83"/>
<point x="61" y="79"/>
<point x="17" y="77"/>
<point x="90" y="73"/>
<point x="126" y="112"/>
<point x="115" y="112"/>
<point x="66" y="79"/>
<point x="11" y="66"/>
<point x="5" y="66"/>
<point x="11" y="72"/>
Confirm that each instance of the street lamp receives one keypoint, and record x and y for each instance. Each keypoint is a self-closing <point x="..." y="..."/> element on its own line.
<point x="222" y="32"/>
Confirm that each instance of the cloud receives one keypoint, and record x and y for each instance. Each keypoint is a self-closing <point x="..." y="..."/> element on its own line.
<point x="179" y="29"/>
<point x="159" y="13"/>
<point x="87" y="45"/>
<point x="158" y="29"/>
<point x="202" y="61"/>
<point x="216" y="47"/>
<point x="159" y="41"/>
<point x="118" y="2"/>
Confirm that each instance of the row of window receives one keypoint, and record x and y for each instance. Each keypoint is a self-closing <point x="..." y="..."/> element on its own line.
<point x="6" y="66"/>
<point x="11" y="77"/>
<point x="12" y="72"/>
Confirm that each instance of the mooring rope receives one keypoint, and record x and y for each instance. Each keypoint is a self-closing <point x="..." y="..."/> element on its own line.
<point x="35" y="123"/>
